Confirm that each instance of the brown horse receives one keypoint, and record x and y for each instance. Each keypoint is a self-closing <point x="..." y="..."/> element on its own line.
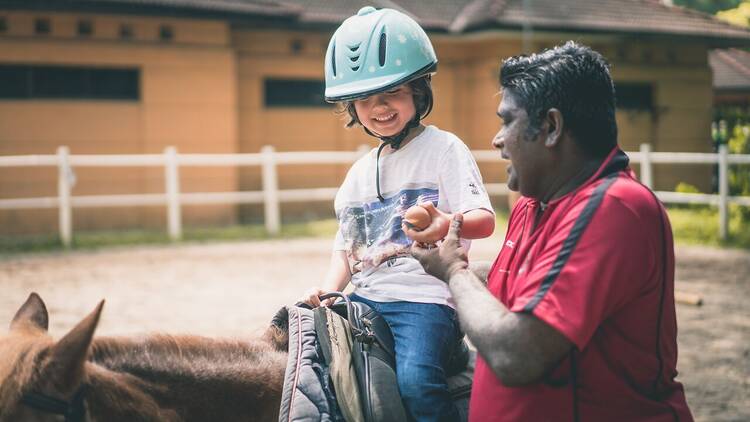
<point x="155" y="378"/>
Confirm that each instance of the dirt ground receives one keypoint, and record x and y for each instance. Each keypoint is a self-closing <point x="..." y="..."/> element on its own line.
<point x="230" y="289"/>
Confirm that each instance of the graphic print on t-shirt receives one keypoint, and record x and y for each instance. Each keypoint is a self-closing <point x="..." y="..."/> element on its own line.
<point x="372" y="231"/>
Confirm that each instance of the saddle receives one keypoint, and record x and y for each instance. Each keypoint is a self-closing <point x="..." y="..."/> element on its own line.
<point x="372" y="354"/>
<point x="350" y="350"/>
<point x="374" y="359"/>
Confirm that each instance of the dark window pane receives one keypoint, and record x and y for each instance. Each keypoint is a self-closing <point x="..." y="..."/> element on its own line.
<point x="166" y="33"/>
<point x="634" y="96"/>
<point x="14" y="81"/>
<point x="126" y="31"/>
<point x="68" y="82"/>
<point x="59" y="82"/>
<point x="3" y="24"/>
<point x="294" y="93"/>
<point x="42" y="26"/>
<point x="85" y="28"/>
<point x="115" y="84"/>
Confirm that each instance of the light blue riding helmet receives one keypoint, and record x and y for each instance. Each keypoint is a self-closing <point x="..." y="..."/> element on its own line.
<point x="373" y="51"/>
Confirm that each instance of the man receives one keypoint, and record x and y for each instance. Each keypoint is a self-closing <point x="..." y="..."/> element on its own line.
<point x="577" y="318"/>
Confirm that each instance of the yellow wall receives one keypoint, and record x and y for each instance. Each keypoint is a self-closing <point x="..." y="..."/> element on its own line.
<point x="188" y="99"/>
<point x="203" y="92"/>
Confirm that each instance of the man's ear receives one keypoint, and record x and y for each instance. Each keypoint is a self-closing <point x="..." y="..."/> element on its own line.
<point x="554" y="125"/>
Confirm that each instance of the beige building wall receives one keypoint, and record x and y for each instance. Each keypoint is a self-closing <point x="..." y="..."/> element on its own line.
<point x="273" y="54"/>
<point x="203" y="91"/>
<point x="188" y="99"/>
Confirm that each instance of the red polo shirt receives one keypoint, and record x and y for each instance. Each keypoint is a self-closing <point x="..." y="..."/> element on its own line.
<point x="598" y="268"/>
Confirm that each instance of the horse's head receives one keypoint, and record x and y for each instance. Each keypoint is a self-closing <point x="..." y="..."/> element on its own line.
<point x="40" y="378"/>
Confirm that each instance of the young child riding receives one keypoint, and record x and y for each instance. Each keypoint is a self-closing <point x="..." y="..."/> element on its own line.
<point x="378" y="66"/>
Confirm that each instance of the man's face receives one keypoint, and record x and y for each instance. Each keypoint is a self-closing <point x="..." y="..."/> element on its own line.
<point x="517" y="145"/>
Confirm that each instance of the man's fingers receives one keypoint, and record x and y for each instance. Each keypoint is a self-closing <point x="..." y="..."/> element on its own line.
<point x="418" y="250"/>
<point x="454" y="230"/>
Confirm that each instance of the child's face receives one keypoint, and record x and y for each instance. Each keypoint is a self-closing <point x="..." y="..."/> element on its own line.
<point x="388" y="112"/>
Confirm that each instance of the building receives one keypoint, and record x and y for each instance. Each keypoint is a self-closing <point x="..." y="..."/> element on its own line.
<point x="134" y="76"/>
<point x="731" y="77"/>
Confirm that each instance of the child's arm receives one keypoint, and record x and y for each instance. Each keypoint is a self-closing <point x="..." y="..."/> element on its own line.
<point x="478" y="223"/>
<point x="335" y="280"/>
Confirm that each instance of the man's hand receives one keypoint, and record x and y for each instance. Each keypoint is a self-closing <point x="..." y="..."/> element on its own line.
<point x="437" y="229"/>
<point x="442" y="262"/>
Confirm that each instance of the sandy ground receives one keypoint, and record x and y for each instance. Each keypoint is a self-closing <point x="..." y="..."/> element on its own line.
<point x="231" y="289"/>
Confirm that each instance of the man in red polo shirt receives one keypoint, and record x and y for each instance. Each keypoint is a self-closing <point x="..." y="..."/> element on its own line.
<point x="577" y="318"/>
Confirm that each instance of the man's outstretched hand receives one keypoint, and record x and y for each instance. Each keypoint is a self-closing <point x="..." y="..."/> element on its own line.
<point x="446" y="259"/>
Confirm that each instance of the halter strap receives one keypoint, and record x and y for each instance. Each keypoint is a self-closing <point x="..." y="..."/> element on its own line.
<point x="73" y="411"/>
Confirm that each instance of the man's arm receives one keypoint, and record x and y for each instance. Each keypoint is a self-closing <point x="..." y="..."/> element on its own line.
<point x="518" y="347"/>
<point x="481" y="269"/>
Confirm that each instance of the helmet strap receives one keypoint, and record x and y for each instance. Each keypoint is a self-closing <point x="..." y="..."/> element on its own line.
<point x="395" y="143"/>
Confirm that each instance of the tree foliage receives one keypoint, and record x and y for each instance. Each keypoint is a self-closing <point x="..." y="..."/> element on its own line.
<point x="740" y="15"/>
<point x="708" y="6"/>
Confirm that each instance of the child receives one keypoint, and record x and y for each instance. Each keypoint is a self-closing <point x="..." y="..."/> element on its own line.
<point x="379" y="64"/>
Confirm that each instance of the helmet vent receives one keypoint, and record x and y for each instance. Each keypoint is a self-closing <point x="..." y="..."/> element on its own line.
<point x="354" y="47"/>
<point x="381" y="49"/>
<point x="354" y="59"/>
<point x="333" y="59"/>
<point x="355" y="68"/>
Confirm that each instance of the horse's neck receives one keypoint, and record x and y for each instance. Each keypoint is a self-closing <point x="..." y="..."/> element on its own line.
<point x="184" y="378"/>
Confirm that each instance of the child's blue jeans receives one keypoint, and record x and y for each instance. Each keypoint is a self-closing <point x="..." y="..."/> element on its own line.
<point x="424" y="334"/>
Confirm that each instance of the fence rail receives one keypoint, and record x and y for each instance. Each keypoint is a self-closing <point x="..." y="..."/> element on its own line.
<point x="271" y="196"/>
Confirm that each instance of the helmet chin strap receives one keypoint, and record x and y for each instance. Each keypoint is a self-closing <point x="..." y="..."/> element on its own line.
<point x="395" y="143"/>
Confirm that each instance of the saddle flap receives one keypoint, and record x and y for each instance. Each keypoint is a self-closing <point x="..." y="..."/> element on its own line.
<point x="366" y="319"/>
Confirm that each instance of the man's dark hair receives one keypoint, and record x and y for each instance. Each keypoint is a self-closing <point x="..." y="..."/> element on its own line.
<point x="574" y="79"/>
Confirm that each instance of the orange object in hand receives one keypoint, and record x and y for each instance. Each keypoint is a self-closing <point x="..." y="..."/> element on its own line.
<point x="417" y="218"/>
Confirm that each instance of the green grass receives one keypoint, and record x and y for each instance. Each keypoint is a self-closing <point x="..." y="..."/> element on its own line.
<point x="700" y="225"/>
<point x="691" y="225"/>
<point x="104" y="239"/>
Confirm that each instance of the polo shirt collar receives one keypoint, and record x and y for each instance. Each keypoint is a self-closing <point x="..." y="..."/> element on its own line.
<point x="615" y="161"/>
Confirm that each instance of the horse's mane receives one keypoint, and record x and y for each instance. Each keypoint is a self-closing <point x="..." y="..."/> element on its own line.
<point x="200" y="368"/>
<point x="153" y="377"/>
<point x="183" y="356"/>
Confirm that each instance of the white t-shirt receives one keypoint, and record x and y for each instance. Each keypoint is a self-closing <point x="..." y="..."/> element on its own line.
<point x="435" y="166"/>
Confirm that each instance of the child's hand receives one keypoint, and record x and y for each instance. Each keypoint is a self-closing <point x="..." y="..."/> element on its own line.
<point x="437" y="229"/>
<point x="312" y="297"/>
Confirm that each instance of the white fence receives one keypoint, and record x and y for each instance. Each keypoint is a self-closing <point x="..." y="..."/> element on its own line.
<point x="271" y="196"/>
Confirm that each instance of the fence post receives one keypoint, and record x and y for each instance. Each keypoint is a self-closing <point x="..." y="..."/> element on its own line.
<point x="723" y="191"/>
<point x="172" y="189"/>
<point x="272" y="215"/>
<point x="646" y="177"/>
<point x="65" y="180"/>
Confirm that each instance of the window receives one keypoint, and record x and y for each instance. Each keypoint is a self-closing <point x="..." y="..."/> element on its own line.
<point x="166" y="33"/>
<point x="126" y="31"/>
<point x="634" y="96"/>
<point x="42" y="26"/>
<point x="85" y="28"/>
<point x="3" y="25"/>
<point x="68" y="82"/>
<point x="294" y="93"/>
<point x="13" y="82"/>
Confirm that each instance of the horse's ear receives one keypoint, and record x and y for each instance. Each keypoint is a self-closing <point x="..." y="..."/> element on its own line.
<point x="69" y="354"/>
<point x="32" y="312"/>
